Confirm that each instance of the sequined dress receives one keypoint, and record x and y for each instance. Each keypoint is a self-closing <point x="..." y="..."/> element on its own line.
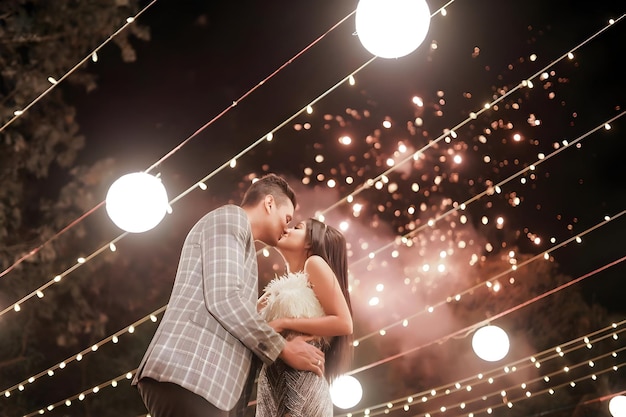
<point x="283" y="391"/>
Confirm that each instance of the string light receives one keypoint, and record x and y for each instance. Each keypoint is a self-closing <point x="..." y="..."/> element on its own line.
<point x="152" y="317"/>
<point x="550" y="391"/>
<point x="509" y="403"/>
<point x="59" y="277"/>
<point x="81" y="396"/>
<point x="54" y="82"/>
<point x="446" y="390"/>
<point x="188" y="190"/>
<point x="64" y="274"/>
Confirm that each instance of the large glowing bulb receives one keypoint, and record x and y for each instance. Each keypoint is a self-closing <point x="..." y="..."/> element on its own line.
<point x="617" y="406"/>
<point x="490" y="343"/>
<point x="136" y="202"/>
<point x="392" y="28"/>
<point x="346" y="391"/>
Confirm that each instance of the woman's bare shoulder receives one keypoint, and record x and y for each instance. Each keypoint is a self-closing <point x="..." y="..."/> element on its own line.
<point x="315" y="261"/>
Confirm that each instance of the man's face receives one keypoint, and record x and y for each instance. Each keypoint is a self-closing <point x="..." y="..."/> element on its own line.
<point x="280" y="217"/>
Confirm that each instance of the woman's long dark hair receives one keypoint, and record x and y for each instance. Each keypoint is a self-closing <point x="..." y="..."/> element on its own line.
<point x="330" y="244"/>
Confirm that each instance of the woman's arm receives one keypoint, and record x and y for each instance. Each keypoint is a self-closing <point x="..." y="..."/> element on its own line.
<point x="337" y="320"/>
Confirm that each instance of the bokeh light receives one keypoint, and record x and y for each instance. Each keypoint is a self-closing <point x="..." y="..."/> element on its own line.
<point x="617" y="406"/>
<point x="346" y="391"/>
<point x="490" y="343"/>
<point x="392" y="28"/>
<point x="137" y="202"/>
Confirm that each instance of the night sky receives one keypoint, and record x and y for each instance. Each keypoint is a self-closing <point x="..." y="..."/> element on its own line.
<point x="204" y="55"/>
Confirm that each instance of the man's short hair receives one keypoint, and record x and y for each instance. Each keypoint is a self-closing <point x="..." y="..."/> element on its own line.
<point x="269" y="184"/>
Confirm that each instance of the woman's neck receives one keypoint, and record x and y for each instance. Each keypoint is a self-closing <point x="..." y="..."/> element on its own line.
<point x="294" y="263"/>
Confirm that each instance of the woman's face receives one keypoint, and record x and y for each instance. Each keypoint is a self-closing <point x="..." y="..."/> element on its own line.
<point x="295" y="239"/>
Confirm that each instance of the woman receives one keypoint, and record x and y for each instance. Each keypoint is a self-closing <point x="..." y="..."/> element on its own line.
<point x="313" y="301"/>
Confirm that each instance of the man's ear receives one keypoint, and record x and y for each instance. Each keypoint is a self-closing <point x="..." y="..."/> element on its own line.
<point x="269" y="202"/>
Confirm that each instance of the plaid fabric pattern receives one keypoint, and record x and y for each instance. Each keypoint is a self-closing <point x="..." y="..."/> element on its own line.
<point x="211" y="326"/>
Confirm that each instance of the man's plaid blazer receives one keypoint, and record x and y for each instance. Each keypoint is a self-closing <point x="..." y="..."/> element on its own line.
<point x="211" y="327"/>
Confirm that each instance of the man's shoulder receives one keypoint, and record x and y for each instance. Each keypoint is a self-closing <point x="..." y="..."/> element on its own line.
<point x="226" y="214"/>
<point x="228" y="209"/>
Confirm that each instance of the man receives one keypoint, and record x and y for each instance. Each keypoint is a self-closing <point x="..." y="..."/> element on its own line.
<point x="200" y="358"/>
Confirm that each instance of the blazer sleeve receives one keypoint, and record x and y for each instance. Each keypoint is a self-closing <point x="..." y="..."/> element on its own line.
<point x="230" y="279"/>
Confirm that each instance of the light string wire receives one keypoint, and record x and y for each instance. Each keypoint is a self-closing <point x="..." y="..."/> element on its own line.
<point x="227" y="109"/>
<point x="543" y="413"/>
<point x="510" y="368"/>
<point x="39" y="292"/>
<point x="129" y="374"/>
<point x="200" y="184"/>
<point x="81" y="396"/>
<point x="472" y="116"/>
<point x="82" y="260"/>
<point x="475" y="198"/>
<point x="551" y="390"/>
<point x="270" y="135"/>
<point x="468" y="329"/>
<point x="178" y="147"/>
<point x="130" y="20"/>
<point x="34" y="251"/>
<point x="569" y="407"/>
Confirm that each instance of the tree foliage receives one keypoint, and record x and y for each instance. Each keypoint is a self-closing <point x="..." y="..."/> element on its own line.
<point x="42" y="190"/>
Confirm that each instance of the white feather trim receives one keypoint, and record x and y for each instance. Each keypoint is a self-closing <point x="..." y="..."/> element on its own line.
<point x="290" y="296"/>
